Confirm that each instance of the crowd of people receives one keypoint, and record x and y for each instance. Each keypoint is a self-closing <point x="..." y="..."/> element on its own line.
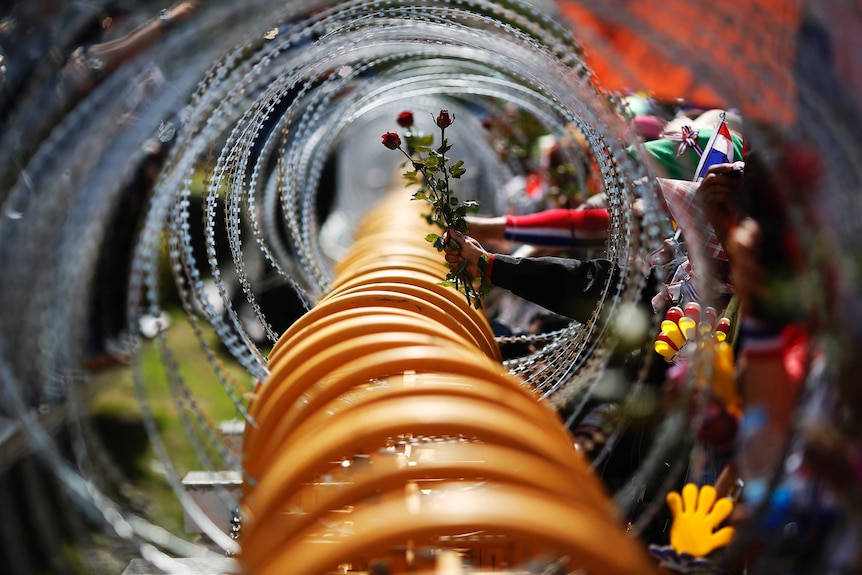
<point x="790" y="456"/>
<point x="770" y="456"/>
<point x="59" y="66"/>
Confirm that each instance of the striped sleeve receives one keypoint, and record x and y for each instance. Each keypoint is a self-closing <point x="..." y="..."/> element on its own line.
<point x="559" y="228"/>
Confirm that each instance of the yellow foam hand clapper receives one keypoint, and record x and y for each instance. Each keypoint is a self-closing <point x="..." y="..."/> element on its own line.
<point x="673" y="336"/>
<point x="681" y="325"/>
<point x="695" y="519"/>
<point x="678" y="327"/>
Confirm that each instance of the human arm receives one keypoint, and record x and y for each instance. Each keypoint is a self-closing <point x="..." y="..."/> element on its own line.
<point x="746" y="272"/>
<point x="548" y="228"/>
<point x="559" y="228"/>
<point x="485" y="228"/>
<point x="115" y="52"/>
<point x="565" y="286"/>
<point x="770" y="359"/>
<point x="89" y="64"/>
<point x="720" y="194"/>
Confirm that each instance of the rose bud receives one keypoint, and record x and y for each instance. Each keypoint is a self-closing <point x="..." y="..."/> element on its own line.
<point x="443" y="120"/>
<point x="405" y="119"/>
<point x="391" y="140"/>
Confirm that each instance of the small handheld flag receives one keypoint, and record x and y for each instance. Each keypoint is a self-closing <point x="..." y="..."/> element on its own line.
<point x="719" y="150"/>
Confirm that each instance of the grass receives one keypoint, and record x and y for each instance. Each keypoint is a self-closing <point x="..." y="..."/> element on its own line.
<point x="117" y="412"/>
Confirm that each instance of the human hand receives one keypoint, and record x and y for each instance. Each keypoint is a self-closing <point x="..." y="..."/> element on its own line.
<point x="694" y="519"/>
<point x="181" y="11"/>
<point x="467" y="249"/>
<point x="720" y="193"/>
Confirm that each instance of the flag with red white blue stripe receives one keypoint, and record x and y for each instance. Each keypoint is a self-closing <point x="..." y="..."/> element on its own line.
<point x="718" y="150"/>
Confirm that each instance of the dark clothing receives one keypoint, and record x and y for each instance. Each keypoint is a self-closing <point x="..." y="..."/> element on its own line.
<point x="564" y="286"/>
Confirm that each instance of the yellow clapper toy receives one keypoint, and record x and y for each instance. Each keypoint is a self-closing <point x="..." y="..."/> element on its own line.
<point x="695" y="518"/>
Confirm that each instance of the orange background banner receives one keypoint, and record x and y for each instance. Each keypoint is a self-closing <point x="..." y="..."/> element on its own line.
<point x="737" y="54"/>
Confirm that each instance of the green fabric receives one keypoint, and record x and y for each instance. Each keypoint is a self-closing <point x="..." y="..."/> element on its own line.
<point x="663" y="151"/>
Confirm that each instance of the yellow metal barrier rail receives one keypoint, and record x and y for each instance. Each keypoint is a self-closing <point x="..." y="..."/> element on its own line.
<point x="388" y="432"/>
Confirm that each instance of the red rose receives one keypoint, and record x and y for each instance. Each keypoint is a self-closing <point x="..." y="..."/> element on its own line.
<point x="405" y="119"/>
<point x="443" y="120"/>
<point x="391" y="140"/>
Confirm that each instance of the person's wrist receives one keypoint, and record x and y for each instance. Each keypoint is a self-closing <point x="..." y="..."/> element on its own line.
<point x="490" y="266"/>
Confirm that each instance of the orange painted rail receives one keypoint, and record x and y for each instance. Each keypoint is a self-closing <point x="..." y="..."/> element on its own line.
<point x="389" y="430"/>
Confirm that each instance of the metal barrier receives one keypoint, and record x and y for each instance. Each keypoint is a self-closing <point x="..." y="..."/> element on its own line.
<point x="389" y="433"/>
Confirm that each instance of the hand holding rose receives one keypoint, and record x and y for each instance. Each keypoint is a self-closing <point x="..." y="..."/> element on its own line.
<point x="468" y="249"/>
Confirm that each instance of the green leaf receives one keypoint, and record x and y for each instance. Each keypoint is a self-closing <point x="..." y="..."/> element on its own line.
<point x="444" y="147"/>
<point x="457" y="169"/>
<point x="432" y="238"/>
<point x="420" y="195"/>
<point x="432" y="161"/>
<point x="446" y="284"/>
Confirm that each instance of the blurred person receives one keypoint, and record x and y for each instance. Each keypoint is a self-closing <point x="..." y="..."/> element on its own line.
<point x="572" y="287"/>
<point x="562" y="229"/>
<point x="797" y="456"/>
<point x="56" y="91"/>
<point x="669" y="157"/>
<point x="565" y="286"/>
<point x="89" y="64"/>
<point x="556" y="228"/>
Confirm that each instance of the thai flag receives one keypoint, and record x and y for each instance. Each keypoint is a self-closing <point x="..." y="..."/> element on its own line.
<point x="719" y="150"/>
